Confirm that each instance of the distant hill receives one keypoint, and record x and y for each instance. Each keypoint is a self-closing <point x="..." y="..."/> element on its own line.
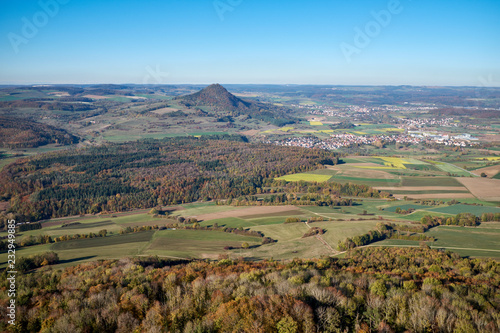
<point x="23" y="133"/>
<point x="221" y="103"/>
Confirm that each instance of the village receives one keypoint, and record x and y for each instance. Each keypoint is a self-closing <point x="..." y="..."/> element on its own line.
<point x="337" y="141"/>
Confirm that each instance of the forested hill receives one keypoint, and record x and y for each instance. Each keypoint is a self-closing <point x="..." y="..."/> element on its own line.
<point x="371" y="290"/>
<point x="22" y="133"/>
<point x="147" y="173"/>
<point x="222" y="103"/>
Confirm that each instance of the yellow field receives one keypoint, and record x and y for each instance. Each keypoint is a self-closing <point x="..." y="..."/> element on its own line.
<point x="358" y="132"/>
<point x="315" y="123"/>
<point x="490" y="158"/>
<point x="327" y="131"/>
<point x="286" y="129"/>
<point x="308" y="177"/>
<point x="395" y="162"/>
<point x="390" y="130"/>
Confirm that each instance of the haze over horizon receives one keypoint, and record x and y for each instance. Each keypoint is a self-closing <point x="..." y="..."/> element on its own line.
<point x="382" y="42"/>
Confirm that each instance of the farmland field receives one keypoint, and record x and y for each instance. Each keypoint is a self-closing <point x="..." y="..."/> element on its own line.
<point x="406" y="207"/>
<point x="482" y="241"/>
<point x="456" y="209"/>
<point x="489" y="158"/>
<point x="483" y="188"/>
<point x="452" y="169"/>
<point x="194" y="243"/>
<point x="442" y="196"/>
<point x="103" y="241"/>
<point x="430" y="181"/>
<point x="308" y="177"/>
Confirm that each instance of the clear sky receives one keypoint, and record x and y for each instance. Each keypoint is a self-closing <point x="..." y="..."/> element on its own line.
<point x="414" y="42"/>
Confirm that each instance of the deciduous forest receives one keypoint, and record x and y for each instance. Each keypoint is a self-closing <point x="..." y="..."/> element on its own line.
<point x="144" y="174"/>
<point x="371" y="290"/>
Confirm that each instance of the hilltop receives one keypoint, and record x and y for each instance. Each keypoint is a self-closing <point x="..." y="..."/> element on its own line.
<point x="23" y="133"/>
<point x="221" y="103"/>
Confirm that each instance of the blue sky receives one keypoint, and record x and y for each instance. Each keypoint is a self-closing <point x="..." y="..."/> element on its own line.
<point x="415" y="42"/>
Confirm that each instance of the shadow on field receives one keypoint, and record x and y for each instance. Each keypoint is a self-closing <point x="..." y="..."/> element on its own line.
<point x="75" y="259"/>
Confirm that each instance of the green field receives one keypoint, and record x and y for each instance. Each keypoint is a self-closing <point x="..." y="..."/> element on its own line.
<point x="167" y="243"/>
<point x="6" y="161"/>
<point x="365" y="181"/>
<point x="406" y="207"/>
<point x="482" y="241"/>
<point x="194" y="243"/>
<point x="456" y="209"/>
<point x="203" y="208"/>
<point x="103" y="241"/>
<point x="430" y="181"/>
<point x="452" y="169"/>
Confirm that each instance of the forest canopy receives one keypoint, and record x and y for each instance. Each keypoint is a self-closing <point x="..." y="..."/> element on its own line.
<point x="147" y="173"/>
<point x="371" y="290"/>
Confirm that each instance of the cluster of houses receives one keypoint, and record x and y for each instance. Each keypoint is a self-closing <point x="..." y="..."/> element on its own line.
<point x="336" y="141"/>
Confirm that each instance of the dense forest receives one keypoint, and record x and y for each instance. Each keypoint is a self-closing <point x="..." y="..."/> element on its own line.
<point x="148" y="173"/>
<point x="23" y="133"/>
<point x="48" y="104"/>
<point x="371" y="290"/>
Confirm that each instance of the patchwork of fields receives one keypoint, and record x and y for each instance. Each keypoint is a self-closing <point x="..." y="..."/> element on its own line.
<point x="482" y="241"/>
<point x="341" y="222"/>
<point x="417" y="179"/>
<point x="405" y="177"/>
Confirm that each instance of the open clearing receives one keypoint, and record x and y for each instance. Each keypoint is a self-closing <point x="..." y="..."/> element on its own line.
<point x="430" y="181"/>
<point x="96" y="96"/>
<point x="482" y="241"/>
<point x="483" y="188"/>
<point x="103" y="241"/>
<point x="405" y="207"/>
<point x="364" y="176"/>
<point x="452" y="169"/>
<point x="249" y="212"/>
<point x="489" y="158"/>
<point x="308" y="177"/>
<point x="421" y="188"/>
<point x="348" y="170"/>
<point x="456" y="209"/>
<point x="435" y="196"/>
<point x="195" y="243"/>
<point x="489" y="171"/>
<point x="164" y="111"/>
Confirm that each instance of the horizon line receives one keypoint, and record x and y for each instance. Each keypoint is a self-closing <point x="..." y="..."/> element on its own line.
<point x="247" y="84"/>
